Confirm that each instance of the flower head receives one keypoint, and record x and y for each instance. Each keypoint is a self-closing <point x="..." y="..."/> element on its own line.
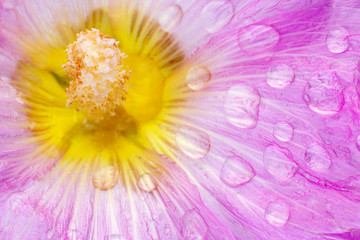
<point x="142" y="119"/>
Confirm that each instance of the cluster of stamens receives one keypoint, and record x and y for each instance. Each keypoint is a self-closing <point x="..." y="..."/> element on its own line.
<point x="95" y="63"/>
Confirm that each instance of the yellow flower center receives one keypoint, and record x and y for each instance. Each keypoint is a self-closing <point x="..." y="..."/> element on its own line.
<point x="105" y="106"/>
<point x="101" y="84"/>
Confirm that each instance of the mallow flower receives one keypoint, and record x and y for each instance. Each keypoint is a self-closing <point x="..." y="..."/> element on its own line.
<point x="179" y="119"/>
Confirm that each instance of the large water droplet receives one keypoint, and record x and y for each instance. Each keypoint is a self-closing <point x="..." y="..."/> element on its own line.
<point x="193" y="226"/>
<point x="279" y="75"/>
<point x="105" y="178"/>
<point x="257" y="38"/>
<point x="283" y="131"/>
<point x="278" y="162"/>
<point x="242" y="106"/>
<point x="323" y="94"/>
<point x="337" y="40"/>
<point x="170" y="18"/>
<point x="114" y="237"/>
<point x="277" y="213"/>
<point x="193" y="142"/>
<point x="147" y="183"/>
<point x="197" y="77"/>
<point x="216" y="15"/>
<point x="317" y="158"/>
<point x="358" y="142"/>
<point x="236" y="171"/>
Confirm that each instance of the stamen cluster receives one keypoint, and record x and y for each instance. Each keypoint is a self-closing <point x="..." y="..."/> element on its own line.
<point x="96" y="64"/>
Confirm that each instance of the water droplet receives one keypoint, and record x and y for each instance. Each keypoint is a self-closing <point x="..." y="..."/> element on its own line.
<point x="358" y="142"/>
<point x="317" y="158"/>
<point x="236" y="171"/>
<point x="283" y="131"/>
<point x="257" y="38"/>
<point x="351" y="183"/>
<point x="197" y="77"/>
<point x="193" y="226"/>
<point x="323" y="94"/>
<point x="216" y="15"/>
<point x="242" y="106"/>
<point x="74" y="235"/>
<point x="279" y="75"/>
<point x="170" y="18"/>
<point x="147" y="183"/>
<point x="278" y="162"/>
<point x="277" y="213"/>
<point x="105" y="178"/>
<point x="114" y="237"/>
<point x="193" y="142"/>
<point x="337" y="40"/>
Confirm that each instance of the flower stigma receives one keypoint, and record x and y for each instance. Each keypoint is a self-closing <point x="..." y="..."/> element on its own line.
<point x="96" y="64"/>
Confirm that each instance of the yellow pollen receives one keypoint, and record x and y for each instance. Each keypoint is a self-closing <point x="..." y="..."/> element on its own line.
<point x="95" y="63"/>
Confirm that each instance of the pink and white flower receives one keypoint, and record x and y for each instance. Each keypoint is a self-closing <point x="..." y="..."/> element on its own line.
<point x="241" y="121"/>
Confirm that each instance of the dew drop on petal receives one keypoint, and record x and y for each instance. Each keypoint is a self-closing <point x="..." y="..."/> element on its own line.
<point x="277" y="213"/>
<point x="257" y="38"/>
<point x="283" y="131"/>
<point x="114" y="237"/>
<point x="241" y="106"/>
<point x="192" y="142"/>
<point x="279" y="75"/>
<point x="323" y="94"/>
<point x="358" y="142"/>
<point x="170" y="18"/>
<point x="337" y="40"/>
<point x="317" y="158"/>
<point x="105" y="178"/>
<point x="236" y="171"/>
<point x="197" y="77"/>
<point x="278" y="162"/>
<point x="216" y="15"/>
<point x="147" y="183"/>
<point x="193" y="226"/>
